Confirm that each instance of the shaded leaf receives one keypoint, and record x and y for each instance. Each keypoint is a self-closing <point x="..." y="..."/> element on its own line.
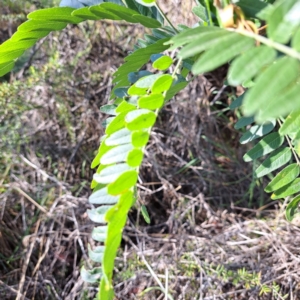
<point x="248" y="64"/>
<point x="135" y="76"/>
<point x="237" y="102"/>
<point x="98" y="215"/>
<point x="91" y="276"/>
<point x="266" y="145"/>
<point x="109" y="109"/>
<point x="102" y="197"/>
<point x="99" y="233"/>
<point x="119" y="137"/>
<point x="243" y="121"/>
<point x="116" y="154"/>
<point x="96" y="254"/>
<point x="277" y="159"/>
<point x="111" y="173"/>
<point x="256" y="132"/>
<point x="222" y="52"/>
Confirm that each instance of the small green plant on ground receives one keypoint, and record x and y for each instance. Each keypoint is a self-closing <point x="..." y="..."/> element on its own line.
<point x="261" y="42"/>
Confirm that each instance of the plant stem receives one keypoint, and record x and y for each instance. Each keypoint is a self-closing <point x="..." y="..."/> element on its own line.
<point x="166" y="18"/>
<point x="280" y="47"/>
<point x="177" y="67"/>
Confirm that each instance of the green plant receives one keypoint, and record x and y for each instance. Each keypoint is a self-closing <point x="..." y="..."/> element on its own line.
<point x="265" y="62"/>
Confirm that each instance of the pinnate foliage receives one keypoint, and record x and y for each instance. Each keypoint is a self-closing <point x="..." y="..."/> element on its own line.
<point x="260" y="42"/>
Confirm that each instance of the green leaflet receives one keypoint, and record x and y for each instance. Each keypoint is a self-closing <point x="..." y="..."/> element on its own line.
<point x="292" y="208"/>
<point x="99" y="233"/>
<point x="140" y="119"/>
<point x="152" y="102"/>
<point x="62" y="14"/>
<point x="237" y="102"/>
<point x="7" y="57"/>
<point x="31" y="35"/>
<point x="145" y="214"/>
<point x="123" y="136"/>
<point x="124" y="106"/>
<point x="296" y="40"/>
<point x="102" y="197"/>
<point x="204" y="41"/>
<point x="116" y="154"/>
<point x="222" y="52"/>
<point x="98" y="215"/>
<point x="291" y="123"/>
<point x="85" y="14"/>
<point x="38" y="25"/>
<point x="17" y="45"/>
<point x="140" y="138"/>
<point x="283" y="20"/>
<point x="124" y="182"/>
<point x="91" y="276"/>
<point x="253" y="60"/>
<point x="162" y="84"/>
<point x="117" y="123"/>
<point x="287" y="190"/>
<point x="135" y="157"/>
<point x="266" y="145"/>
<point x="96" y="254"/>
<point x="286" y="70"/>
<point x="191" y="35"/>
<point x="256" y="132"/>
<point x="243" y="121"/>
<point x="284" y="177"/>
<point x="277" y="159"/>
<point x="6" y="67"/>
<point x="109" y="109"/>
<point x="147" y="81"/>
<point x="133" y="77"/>
<point x="162" y="63"/>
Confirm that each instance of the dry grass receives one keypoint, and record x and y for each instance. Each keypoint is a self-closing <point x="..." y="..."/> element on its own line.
<point x="209" y="218"/>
